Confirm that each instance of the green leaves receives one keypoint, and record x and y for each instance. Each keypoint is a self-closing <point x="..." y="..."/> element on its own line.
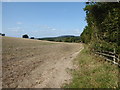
<point x="103" y="25"/>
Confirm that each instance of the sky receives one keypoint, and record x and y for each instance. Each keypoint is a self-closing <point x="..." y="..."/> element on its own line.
<point x="43" y="19"/>
<point x="0" y="17"/>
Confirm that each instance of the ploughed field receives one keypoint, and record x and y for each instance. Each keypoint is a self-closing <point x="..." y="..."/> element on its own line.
<point x="30" y="63"/>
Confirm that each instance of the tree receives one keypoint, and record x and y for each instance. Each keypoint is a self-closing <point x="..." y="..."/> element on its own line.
<point x="32" y="38"/>
<point x="3" y="34"/>
<point x="103" y="25"/>
<point x="25" y="36"/>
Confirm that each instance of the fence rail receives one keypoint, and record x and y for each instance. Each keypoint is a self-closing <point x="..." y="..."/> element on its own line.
<point x="110" y="56"/>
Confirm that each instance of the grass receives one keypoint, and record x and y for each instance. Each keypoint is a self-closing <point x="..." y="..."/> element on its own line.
<point x="93" y="72"/>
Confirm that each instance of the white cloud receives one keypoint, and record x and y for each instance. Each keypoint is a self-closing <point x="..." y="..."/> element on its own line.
<point x="16" y="29"/>
<point x="36" y="31"/>
<point x="19" y="23"/>
<point x="46" y="27"/>
<point x="53" y="29"/>
<point x="77" y="31"/>
<point x="49" y="27"/>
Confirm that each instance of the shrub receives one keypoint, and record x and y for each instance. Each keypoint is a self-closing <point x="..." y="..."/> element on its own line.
<point x="32" y="38"/>
<point x="3" y="34"/>
<point x="25" y="36"/>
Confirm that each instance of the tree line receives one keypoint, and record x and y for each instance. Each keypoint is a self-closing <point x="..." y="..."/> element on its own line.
<point x="2" y="34"/>
<point x="103" y="26"/>
<point x="70" y="39"/>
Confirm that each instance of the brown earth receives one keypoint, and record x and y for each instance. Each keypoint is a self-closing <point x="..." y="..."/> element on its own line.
<point x="36" y="64"/>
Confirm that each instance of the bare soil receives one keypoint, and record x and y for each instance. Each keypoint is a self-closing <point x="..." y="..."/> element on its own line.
<point x="37" y="64"/>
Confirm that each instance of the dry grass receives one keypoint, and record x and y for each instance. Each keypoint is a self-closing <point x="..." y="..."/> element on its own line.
<point x="93" y="72"/>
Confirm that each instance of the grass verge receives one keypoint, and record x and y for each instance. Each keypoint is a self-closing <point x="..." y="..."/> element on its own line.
<point x="93" y="72"/>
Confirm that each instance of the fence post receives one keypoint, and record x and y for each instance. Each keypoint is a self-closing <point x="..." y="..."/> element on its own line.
<point x="118" y="60"/>
<point x="114" y="56"/>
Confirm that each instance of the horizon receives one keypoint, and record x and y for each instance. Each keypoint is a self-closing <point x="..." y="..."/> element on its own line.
<point x="43" y="19"/>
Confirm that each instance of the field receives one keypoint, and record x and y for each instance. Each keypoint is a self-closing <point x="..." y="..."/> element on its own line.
<point x="30" y="63"/>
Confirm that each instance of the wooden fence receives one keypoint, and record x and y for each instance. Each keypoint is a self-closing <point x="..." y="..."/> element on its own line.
<point x="110" y="56"/>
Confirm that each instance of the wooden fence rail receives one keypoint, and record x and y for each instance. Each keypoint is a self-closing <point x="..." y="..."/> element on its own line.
<point x="110" y="56"/>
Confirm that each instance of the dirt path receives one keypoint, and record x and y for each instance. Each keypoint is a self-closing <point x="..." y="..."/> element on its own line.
<point x="37" y="64"/>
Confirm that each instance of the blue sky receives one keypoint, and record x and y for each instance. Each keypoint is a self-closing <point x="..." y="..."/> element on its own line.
<point x="0" y="17"/>
<point x="43" y="19"/>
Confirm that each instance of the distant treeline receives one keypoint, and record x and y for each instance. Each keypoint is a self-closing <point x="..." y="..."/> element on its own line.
<point x="63" y="39"/>
<point x="103" y="29"/>
<point x="66" y="38"/>
<point x="2" y="34"/>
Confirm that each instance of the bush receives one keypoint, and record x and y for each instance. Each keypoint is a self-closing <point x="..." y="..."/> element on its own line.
<point x="32" y="38"/>
<point x="3" y="34"/>
<point x="25" y="36"/>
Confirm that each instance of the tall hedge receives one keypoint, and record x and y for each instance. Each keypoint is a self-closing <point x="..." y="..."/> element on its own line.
<point x="103" y="21"/>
